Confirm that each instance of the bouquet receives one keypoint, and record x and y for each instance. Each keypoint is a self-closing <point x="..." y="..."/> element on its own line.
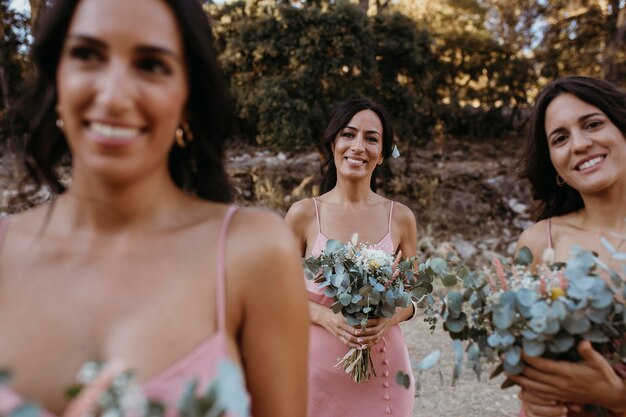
<point x="124" y="397"/>
<point x="504" y="310"/>
<point x="365" y="283"/>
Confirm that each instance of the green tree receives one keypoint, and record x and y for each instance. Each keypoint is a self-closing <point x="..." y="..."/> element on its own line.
<point x="288" y="66"/>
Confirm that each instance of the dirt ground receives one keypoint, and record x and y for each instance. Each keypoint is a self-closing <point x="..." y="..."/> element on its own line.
<point x="469" y="398"/>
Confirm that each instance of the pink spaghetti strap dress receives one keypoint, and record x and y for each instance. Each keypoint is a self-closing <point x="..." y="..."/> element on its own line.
<point x="332" y="393"/>
<point x="201" y="363"/>
<point x="551" y="246"/>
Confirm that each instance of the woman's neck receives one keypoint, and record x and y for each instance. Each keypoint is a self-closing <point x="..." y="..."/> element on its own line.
<point x="353" y="192"/>
<point x="606" y="210"/>
<point x="146" y="204"/>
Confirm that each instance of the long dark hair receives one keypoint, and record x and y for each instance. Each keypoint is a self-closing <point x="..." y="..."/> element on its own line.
<point x="339" y="118"/>
<point x="197" y="168"/>
<point x="535" y="164"/>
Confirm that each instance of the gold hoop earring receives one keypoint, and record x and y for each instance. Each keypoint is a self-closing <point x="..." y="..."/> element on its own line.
<point x="183" y="135"/>
<point x="559" y="181"/>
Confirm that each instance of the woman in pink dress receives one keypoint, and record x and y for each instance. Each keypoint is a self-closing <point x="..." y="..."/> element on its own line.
<point x="576" y="163"/>
<point x="357" y="141"/>
<point x="141" y="256"/>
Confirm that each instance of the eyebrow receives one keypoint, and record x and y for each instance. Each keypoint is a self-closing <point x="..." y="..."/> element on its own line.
<point x="368" y="131"/>
<point x="580" y="119"/>
<point x="147" y="49"/>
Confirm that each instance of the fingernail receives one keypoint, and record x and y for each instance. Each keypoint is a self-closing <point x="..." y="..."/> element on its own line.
<point x="359" y="340"/>
<point x="358" y="332"/>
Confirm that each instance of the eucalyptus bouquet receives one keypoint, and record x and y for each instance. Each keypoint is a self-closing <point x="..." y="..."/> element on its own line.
<point x="124" y="397"/>
<point x="365" y="283"/>
<point x="504" y="310"/>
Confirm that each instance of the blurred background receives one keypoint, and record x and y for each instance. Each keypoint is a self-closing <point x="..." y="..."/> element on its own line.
<point x="457" y="76"/>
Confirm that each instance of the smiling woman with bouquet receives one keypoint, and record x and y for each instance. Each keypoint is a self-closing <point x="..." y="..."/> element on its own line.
<point x="576" y="162"/>
<point x="357" y="140"/>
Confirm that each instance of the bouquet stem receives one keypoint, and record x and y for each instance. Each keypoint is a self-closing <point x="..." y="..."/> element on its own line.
<point x="358" y="363"/>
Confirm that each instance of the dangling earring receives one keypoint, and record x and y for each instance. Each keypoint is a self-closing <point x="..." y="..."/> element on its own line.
<point x="58" y="121"/>
<point x="183" y="135"/>
<point x="559" y="181"/>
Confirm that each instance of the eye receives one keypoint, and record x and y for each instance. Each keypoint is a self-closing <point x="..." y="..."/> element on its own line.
<point x="347" y="134"/>
<point x="372" y="139"/>
<point x="594" y="124"/>
<point x="558" y="139"/>
<point x="153" y="65"/>
<point x="85" y="53"/>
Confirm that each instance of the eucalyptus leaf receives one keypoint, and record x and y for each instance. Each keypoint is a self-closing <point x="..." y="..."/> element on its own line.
<point x="609" y="247"/>
<point x="561" y="343"/>
<point x="524" y="256"/>
<point x="533" y="348"/>
<point x="429" y="361"/>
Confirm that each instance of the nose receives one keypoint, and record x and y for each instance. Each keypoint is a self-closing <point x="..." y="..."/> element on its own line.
<point x="358" y="144"/>
<point x="581" y="141"/>
<point x="115" y="88"/>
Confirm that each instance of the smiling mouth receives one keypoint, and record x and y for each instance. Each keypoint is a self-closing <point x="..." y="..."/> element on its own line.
<point x="590" y="163"/>
<point x="355" y="161"/>
<point x="113" y="132"/>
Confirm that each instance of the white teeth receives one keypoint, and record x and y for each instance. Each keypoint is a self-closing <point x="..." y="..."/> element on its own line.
<point x="114" y="132"/>
<point x="592" y="162"/>
<point x="355" y="161"/>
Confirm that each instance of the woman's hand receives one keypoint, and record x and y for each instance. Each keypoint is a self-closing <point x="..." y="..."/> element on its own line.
<point x="568" y="382"/>
<point x="536" y="406"/>
<point x="336" y="324"/>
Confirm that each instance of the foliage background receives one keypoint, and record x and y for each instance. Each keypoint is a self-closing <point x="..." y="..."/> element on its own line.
<point x="467" y="68"/>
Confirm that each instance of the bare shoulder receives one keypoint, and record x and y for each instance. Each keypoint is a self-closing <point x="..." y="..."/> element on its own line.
<point x="259" y="242"/>
<point x="29" y="222"/>
<point x="535" y="238"/>
<point x="301" y="211"/>
<point x="300" y="217"/>
<point x="403" y="215"/>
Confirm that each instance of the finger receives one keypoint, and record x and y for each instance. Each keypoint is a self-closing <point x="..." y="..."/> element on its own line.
<point x="89" y="395"/>
<point x="540" y="408"/>
<point x="349" y="340"/>
<point x="540" y="376"/>
<point x="537" y="387"/>
<point x="595" y="360"/>
<point x="535" y="398"/>
<point x="547" y="366"/>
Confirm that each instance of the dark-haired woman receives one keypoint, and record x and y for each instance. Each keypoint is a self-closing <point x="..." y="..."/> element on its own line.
<point x="576" y="163"/>
<point x="357" y="140"/>
<point x="142" y="258"/>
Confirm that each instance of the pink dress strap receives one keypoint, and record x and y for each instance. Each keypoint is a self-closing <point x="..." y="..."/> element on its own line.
<point x="390" y="214"/>
<point x="549" y="232"/>
<point x="317" y="215"/>
<point x="221" y="269"/>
